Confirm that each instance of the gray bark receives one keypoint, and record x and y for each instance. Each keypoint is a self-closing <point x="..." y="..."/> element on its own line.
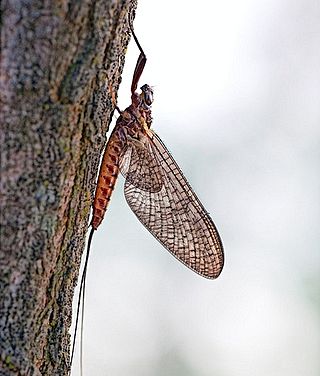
<point x="60" y="63"/>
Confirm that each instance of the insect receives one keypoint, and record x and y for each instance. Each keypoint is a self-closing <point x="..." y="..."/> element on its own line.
<point x="155" y="189"/>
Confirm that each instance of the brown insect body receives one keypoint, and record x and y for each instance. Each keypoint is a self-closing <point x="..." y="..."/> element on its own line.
<point x="133" y="121"/>
<point x="156" y="189"/>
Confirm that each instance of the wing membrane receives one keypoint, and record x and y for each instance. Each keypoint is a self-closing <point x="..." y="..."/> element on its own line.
<point x="141" y="169"/>
<point x="170" y="210"/>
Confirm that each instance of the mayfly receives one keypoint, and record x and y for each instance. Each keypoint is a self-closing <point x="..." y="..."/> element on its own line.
<point x="155" y="189"/>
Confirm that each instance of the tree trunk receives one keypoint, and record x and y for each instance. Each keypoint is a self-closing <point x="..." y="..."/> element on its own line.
<point x="60" y="66"/>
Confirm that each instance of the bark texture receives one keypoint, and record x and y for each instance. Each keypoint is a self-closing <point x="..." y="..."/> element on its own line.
<point x="60" y="62"/>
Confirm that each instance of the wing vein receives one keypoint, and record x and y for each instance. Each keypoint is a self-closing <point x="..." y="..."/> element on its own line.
<point x="163" y="200"/>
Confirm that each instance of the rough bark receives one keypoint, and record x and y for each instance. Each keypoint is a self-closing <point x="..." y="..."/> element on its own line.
<point x="60" y="62"/>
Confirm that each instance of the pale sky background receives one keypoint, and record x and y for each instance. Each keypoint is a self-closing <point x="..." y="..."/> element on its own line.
<point x="237" y="92"/>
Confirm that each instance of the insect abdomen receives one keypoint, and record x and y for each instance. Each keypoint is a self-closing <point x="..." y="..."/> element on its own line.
<point x="108" y="174"/>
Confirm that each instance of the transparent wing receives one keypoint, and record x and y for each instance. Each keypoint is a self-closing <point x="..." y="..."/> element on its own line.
<point x="172" y="213"/>
<point x="141" y="169"/>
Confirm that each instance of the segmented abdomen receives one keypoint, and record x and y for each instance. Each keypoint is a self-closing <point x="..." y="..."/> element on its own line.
<point x="108" y="174"/>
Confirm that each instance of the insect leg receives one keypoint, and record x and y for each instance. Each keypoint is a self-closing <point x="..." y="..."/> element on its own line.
<point x="141" y="62"/>
<point x="113" y="98"/>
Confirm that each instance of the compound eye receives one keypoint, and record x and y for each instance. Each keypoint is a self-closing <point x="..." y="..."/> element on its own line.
<point x="148" y="97"/>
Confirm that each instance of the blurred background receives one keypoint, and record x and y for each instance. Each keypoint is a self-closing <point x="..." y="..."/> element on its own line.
<point x="237" y="88"/>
